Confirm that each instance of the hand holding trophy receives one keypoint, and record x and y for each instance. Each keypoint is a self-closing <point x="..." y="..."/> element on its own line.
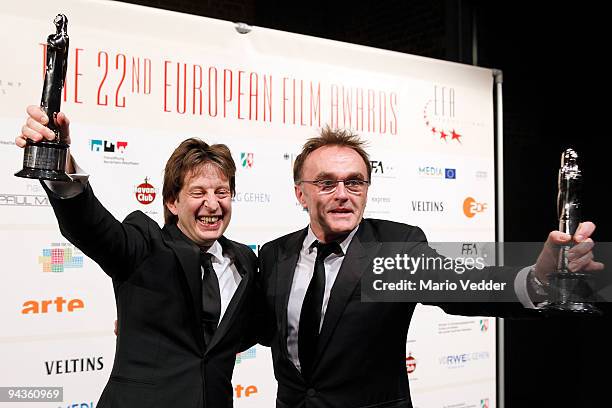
<point x="568" y="290"/>
<point x="46" y="159"/>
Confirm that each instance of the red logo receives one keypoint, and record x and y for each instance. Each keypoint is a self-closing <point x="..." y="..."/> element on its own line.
<point x="145" y="192"/>
<point x="410" y="363"/>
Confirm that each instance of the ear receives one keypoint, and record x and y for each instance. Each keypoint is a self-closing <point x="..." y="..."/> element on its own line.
<point x="171" y="205"/>
<point x="299" y="194"/>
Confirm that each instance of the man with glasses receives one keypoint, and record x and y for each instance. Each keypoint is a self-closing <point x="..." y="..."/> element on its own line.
<point x="329" y="348"/>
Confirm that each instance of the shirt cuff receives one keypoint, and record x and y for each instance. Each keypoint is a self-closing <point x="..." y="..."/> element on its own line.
<point x="72" y="189"/>
<point x="520" y="288"/>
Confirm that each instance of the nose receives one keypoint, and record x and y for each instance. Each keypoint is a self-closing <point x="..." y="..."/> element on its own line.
<point x="340" y="193"/>
<point x="211" y="203"/>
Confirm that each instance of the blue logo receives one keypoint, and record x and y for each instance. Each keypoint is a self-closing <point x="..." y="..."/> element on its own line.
<point x="450" y="174"/>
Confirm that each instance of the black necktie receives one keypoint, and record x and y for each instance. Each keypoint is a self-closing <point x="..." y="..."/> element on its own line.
<point x="211" y="298"/>
<point x="310" y="316"/>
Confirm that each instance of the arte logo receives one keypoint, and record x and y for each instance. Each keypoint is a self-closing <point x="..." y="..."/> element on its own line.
<point x="438" y="172"/>
<point x="427" y="206"/>
<point x="58" y="305"/>
<point x="471" y="207"/>
<point x="244" y="391"/>
<point x="484" y="325"/>
<point x="59" y="257"/>
<point x="439" y="113"/>
<point x="246" y="355"/>
<point x="107" y="146"/>
<point x="484" y="403"/>
<point x="246" y="160"/>
<point x="74" y="365"/>
<point x="145" y="192"/>
<point x="411" y="363"/>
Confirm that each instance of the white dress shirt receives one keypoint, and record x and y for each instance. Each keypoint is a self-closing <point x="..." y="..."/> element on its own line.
<point x="227" y="274"/>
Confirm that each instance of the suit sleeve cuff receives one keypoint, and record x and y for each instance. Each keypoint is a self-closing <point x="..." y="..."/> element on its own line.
<point x="65" y="190"/>
<point x="520" y="288"/>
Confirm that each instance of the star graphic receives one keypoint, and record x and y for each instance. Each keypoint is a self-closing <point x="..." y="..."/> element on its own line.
<point x="433" y="130"/>
<point x="443" y="135"/>
<point x="455" y="136"/>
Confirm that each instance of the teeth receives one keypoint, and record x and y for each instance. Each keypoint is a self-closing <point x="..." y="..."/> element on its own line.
<point x="209" y="219"/>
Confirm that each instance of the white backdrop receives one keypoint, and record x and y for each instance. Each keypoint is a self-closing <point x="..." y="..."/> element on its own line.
<point x="141" y="80"/>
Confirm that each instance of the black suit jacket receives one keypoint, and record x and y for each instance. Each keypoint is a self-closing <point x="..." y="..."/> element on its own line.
<point x="161" y="359"/>
<point x="361" y="351"/>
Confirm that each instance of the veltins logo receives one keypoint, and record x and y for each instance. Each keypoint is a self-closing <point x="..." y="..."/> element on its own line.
<point x="484" y="403"/>
<point x="471" y="207"/>
<point x="411" y="363"/>
<point x="60" y="256"/>
<point x="484" y="325"/>
<point x="246" y="160"/>
<point x="107" y="146"/>
<point x="57" y="305"/>
<point x="74" y="365"/>
<point x="246" y="355"/>
<point x="145" y="192"/>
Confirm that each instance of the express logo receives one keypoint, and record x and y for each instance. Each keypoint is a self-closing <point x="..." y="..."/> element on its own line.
<point x="246" y="160"/>
<point x="440" y="110"/>
<point x="246" y="355"/>
<point x="107" y="146"/>
<point x="60" y="256"/>
<point x="145" y="192"/>
<point x="411" y="363"/>
<point x="471" y="207"/>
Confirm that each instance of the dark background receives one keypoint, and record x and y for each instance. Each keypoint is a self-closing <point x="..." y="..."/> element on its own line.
<point x="553" y="60"/>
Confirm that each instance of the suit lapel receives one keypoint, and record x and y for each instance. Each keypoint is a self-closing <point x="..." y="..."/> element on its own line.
<point x="230" y="313"/>
<point x="288" y="257"/>
<point x="358" y="257"/>
<point x="188" y="255"/>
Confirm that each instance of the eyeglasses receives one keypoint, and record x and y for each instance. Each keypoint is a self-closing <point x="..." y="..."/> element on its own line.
<point x="354" y="186"/>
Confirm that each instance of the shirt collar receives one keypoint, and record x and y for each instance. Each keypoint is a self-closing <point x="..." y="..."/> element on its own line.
<point x="311" y="238"/>
<point x="216" y="251"/>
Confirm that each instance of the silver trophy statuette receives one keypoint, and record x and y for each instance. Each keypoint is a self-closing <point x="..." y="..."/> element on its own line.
<point x="568" y="290"/>
<point x="46" y="159"/>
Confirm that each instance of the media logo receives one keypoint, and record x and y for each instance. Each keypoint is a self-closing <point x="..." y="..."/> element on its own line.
<point x="427" y="206"/>
<point x="439" y="113"/>
<point x="246" y="160"/>
<point x="471" y="207"/>
<point x="145" y="192"/>
<point x="484" y="325"/>
<point x="60" y="256"/>
<point x="74" y="365"/>
<point x="246" y="355"/>
<point x="107" y="146"/>
<point x="411" y="363"/>
<point x="438" y="172"/>
<point x="58" y="305"/>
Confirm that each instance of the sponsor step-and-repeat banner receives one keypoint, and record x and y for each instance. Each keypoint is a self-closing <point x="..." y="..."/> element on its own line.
<point x="140" y="81"/>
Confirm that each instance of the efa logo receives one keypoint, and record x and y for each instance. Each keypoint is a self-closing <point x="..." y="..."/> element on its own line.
<point x="411" y="363"/>
<point x="471" y="207"/>
<point x="145" y="192"/>
<point x="57" y="305"/>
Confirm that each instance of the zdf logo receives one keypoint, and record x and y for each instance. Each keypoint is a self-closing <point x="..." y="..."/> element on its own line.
<point x="471" y="207"/>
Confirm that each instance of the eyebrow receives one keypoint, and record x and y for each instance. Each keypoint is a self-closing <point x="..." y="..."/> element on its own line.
<point x="329" y="176"/>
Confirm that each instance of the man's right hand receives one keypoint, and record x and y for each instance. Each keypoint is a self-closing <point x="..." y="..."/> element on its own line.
<point x="35" y="130"/>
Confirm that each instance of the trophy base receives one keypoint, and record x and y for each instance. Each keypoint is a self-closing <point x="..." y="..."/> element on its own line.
<point x="44" y="161"/>
<point x="568" y="296"/>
